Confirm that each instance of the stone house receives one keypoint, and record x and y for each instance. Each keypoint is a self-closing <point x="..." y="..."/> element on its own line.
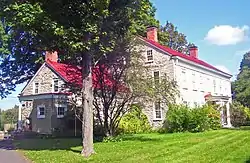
<point x="44" y="98"/>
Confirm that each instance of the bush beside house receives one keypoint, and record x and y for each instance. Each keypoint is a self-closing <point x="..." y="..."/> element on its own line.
<point x="240" y="115"/>
<point x="181" y="118"/>
<point x="134" y="122"/>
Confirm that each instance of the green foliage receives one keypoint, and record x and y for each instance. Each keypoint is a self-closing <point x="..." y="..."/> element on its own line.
<point x="181" y="118"/>
<point x="245" y="61"/>
<point x="240" y="115"/>
<point x="1" y="120"/>
<point x="171" y="37"/>
<point x="72" y="28"/>
<point x="134" y="122"/>
<point x="241" y="87"/>
<point x="10" y="116"/>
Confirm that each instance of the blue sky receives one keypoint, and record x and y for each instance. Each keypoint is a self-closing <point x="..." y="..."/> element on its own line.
<point x="220" y="29"/>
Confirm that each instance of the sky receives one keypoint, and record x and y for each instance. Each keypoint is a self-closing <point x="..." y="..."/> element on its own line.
<point x="220" y="29"/>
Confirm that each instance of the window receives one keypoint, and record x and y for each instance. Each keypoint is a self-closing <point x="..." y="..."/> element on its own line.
<point x="158" y="113"/>
<point x="41" y="111"/>
<point x="36" y="88"/>
<point x="225" y="89"/>
<point x="156" y="77"/>
<point x="208" y="85"/>
<point x="184" y="79"/>
<point x="201" y="83"/>
<point x="183" y="74"/>
<point x="214" y="85"/>
<point x="56" y="87"/>
<point x="194" y="82"/>
<point x="221" y="88"/>
<point x="61" y="109"/>
<point x="150" y="55"/>
<point x="60" y="112"/>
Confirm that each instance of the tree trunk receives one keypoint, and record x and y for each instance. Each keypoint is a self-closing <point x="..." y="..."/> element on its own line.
<point x="106" y="122"/>
<point x="87" y="101"/>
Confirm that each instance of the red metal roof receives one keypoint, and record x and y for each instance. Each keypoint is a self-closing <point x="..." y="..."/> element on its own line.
<point x="72" y="74"/>
<point x="181" y="55"/>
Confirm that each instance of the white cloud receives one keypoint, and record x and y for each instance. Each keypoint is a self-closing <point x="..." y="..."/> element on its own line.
<point x="223" y="68"/>
<point x="227" y="35"/>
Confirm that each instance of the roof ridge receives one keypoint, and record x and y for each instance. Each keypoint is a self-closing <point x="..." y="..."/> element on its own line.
<point x="182" y="55"/>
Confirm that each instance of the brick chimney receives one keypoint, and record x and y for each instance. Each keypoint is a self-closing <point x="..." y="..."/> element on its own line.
<point x="193" y="50"/>
<point x="52" y="56"/>
<point x="152" y="33"/>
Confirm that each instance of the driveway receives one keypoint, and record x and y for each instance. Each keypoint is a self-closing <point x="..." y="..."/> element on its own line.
<point x="8" y="154"/>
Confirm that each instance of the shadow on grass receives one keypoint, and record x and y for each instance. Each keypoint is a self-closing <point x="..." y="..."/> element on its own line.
<point x="248" y="161"/>
<point x="138" y="138"/>
<point x="238" y="128"/>
<point x="70" y="144"/>
<point x="39" y="144"/>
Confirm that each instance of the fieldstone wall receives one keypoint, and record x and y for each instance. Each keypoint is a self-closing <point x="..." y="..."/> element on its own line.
<point x="149" y="111"/>
<point x="27" y="107"/>
<point x="45" y="79"/>
<point x="165" y="65"/>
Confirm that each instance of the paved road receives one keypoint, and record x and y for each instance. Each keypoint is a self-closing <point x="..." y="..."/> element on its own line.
<point x="8" y="153"/>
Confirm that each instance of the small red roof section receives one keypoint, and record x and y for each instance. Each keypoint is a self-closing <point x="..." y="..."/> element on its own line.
<point x="72" y="74"/>
<point x="181" y="55"/>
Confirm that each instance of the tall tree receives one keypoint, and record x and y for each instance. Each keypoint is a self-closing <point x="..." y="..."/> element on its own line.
<point x="120" y="80"/>
<point x="245" y="61"/>
<point x="77" y="29"/>
<point x="171" y="37"/>
<point x="241" y="87"/>
<point x="10" y="115"/>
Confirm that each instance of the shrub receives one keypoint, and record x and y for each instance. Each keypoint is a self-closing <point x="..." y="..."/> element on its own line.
<point x="214" y="118"/>
<point x="177" y="118"/>
<point x="181" y="118"/>
<point x="240" y="115"/>
<point x="134" y="122"/>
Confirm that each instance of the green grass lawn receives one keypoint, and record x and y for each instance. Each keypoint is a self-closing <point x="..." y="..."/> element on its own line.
<point x="214" y="146"/>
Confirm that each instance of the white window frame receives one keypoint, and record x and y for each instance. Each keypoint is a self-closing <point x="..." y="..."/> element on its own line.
<point x="157" y="118"/>
<point x="220" y="88"/>
<point x="194" y="85"/>
<point x="39" y="116"/>
<point x="147" y="55"/>
<point x="208" y="85"/>
<point x="154" y="75"/>
<point x="184" y="78"/>
<point x="61" y="106"/>
<point x="53" y="85"/>
<point x="34" y="87"/>
<point x="214" y="86"/>
<point x="202" y="83"/>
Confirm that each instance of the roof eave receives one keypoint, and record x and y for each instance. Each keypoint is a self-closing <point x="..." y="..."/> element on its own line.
<point x="204" y="67"/>
<point x="193" y="63"/>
